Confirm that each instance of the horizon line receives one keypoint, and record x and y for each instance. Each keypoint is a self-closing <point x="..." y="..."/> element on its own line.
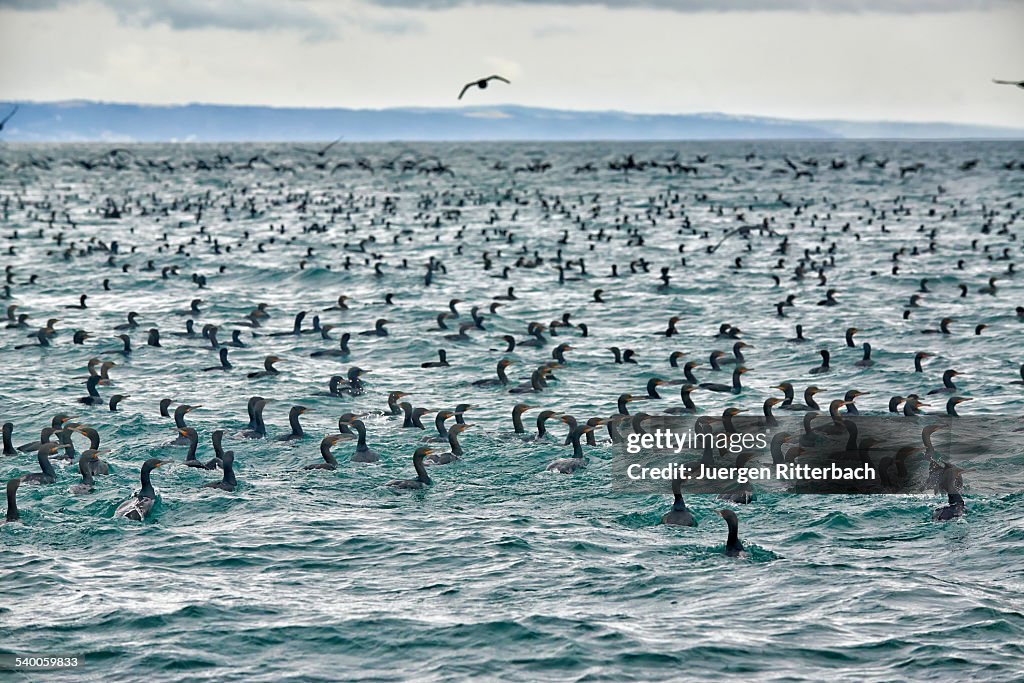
<point x="470" y="108"/>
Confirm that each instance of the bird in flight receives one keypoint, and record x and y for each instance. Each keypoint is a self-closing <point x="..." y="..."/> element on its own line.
<point x="323" y="151"/>
<point x="482" y="83"/>
<point x="1019" y="84"/>
<point x="8" y="117"/>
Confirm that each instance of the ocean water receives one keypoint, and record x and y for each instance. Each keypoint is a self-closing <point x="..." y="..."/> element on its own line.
<point x="501" y="570"/>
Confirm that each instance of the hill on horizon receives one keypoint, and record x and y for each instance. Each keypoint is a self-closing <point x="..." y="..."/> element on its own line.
<point x="83" y="121"/>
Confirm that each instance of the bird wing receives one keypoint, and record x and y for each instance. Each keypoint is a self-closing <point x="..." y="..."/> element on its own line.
<point x="734" y="231"/>
<point x="465" y="88"/>
<point x="496" y="77"/>
<point x="996" y="80"/>
<point x="8" y="117"/>
<point x="324" y="150"/>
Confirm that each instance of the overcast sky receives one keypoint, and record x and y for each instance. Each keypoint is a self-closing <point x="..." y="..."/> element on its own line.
<point x="905" y="60"/>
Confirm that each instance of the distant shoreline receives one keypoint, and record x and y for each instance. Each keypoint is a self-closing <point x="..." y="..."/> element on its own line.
<point x="512" y="141"/>
<point x="83" y="121"/>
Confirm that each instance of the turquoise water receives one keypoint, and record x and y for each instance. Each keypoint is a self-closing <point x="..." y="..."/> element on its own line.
<point x="500" y="570"/>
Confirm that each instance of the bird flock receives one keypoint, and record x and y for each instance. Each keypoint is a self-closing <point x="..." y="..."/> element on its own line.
<point x="402" y="284"/>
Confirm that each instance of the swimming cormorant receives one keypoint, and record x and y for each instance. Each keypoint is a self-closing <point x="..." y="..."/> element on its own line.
<point x="456" y="452"/>
<point x="363" y="452"/>
<point x="947" y="383"/>
<point x="679" y="515"/>
<point x="293" y="421"/>
<point x="422" y="479"/>
<point x="501" y="380"/>
<point x="46" y="475"/>
<point x="955" y="502"/>
<point x="442" y="361"/>
<point x="824" y="367"/>
<point x="733" y="547"/>
<point x="85" y="464"/>
<point x="225" y="364"/>
<point x="227" y="482"/>
<point x="7" y="431"/>
<point x="330" y="462"/>
<point x="578" y="459"/>
<point x="12" y="504"/>
<point x="258" y="429"/>
<point x="378" y="330"/>
<point x="268" y="368"/>
<point x="141" y="504"/>
<point x="735" y="388"/>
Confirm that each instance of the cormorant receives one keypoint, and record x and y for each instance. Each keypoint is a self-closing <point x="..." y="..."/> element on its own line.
<point x="141" y="504"/>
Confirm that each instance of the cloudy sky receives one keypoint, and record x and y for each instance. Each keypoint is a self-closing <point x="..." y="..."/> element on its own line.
<point x="903" y="60"/>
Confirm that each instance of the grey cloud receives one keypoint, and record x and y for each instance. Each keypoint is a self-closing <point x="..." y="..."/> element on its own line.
<point x="830" y="6"/>
<point x="29" y="4"/>
<point x="235" y="15"/>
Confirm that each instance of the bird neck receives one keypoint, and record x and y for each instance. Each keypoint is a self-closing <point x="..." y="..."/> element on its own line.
<point x="147" y="486"/>
<point x="453" y="441"/>
<point x="421" y="471"/>
<point x="577" y="447"/>
<point x="46" y="466"/>
<point x="733" y="541"/>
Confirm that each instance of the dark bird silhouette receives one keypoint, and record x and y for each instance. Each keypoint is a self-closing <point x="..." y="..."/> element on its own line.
<point x="482" y="83"/>
<point x="15" y="110"/>
<point x="1019" y="84"/>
